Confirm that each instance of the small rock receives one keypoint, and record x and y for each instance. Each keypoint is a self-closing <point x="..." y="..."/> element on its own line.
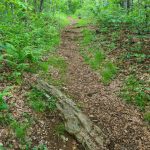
<point x="64" y="138"/>
<point x="91" y="116"/>
<point x="1" y="144"/>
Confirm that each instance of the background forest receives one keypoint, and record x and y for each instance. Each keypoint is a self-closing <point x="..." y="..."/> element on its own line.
<point x="30" y="33"/>
<point x="30" y="27"/>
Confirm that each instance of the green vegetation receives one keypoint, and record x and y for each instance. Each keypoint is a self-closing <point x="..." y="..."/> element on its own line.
<point x="5" y="118"/>
<point x="19" y="129"/>
<point x="1" y="147"/>
<point x="39" y="102"/>
<point x="29" y="32"/>
<point x="96" y="58"/>
<point x="83" y="22"/>
<point x="108" y="72"/>
<point x="118" y="13"/>
<point x="134" y="92"/>
<point x="40" y="147"/>
<point x="26" y="37"/>
<point x="115" y="41"/>
<point x="59" y="65"/>
<point x="3" y="104"/>
<point x="60" y="129"/>
<point x="122" y="33"/>
<point x="121" y="18"/>
<point x="147" y="117"/>
<point x="88" y="36"/>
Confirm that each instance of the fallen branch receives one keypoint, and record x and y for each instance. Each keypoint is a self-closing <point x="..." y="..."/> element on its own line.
<point x="76" y="123"/>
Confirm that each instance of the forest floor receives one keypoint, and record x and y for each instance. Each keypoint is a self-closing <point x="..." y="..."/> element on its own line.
<point x="122" y="123"/>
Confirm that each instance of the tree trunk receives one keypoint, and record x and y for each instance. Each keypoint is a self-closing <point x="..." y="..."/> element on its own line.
<point x="76" y="123"/>
<point x="41" y="5"/>
<point x="35" y="6"/>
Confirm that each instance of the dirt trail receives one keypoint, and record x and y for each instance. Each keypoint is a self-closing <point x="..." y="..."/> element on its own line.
<point x="122" y="123"/>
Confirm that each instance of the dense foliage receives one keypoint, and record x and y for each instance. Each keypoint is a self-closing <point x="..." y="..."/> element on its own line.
<point x="131" y="12"/>
<point x="26" y="33"/>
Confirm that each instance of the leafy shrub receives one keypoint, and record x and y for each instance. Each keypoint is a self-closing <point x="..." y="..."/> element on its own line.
<point x="23" y="44"/>
<point x="113" y="14"/>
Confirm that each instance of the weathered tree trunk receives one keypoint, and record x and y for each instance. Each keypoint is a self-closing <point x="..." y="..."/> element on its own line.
<point x="76" y="123"/>
<point x="41" y="5"/>
<point x="147" y="15"/>
<point x="35" y="6"/>
<point x="6" y="8"/>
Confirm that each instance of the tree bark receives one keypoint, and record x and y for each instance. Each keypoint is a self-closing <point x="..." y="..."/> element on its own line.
<point x="41" y="5"/>
<point x="35" y="6"/>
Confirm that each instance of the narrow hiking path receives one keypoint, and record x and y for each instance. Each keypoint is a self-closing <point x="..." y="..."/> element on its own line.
<point x="122" y="123"/>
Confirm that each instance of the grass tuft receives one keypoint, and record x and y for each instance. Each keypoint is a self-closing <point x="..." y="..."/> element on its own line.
<point x="134" y="91"/>
<point x="108" y="72"/>
<point x="36" y="100"/>
<point x="147" y="117"/>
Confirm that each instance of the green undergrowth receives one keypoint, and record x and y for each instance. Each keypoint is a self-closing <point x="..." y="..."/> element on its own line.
<point x="55" y="70"/>
<point x="88" y="36"/>
<point x="38" y="102"/>
<point x="136" y="91"/>
<point x="19" y="128"/>
<point x="29" y="45"/>
<point x="109" y="40"/>
<point x="40" y="147"/>
<point x="23" y="44"/>
<point x="60" y="129"/>
<point x="131" y="53"/>
<point x="109" y="71"/>
<point x="147" y="117"/>
<point x="83" y="23"/>
<point x="96" y="57"/>
<point x="3" y="104"/>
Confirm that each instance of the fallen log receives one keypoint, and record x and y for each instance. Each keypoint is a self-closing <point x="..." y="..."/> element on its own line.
<point x="76" y="123"/>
